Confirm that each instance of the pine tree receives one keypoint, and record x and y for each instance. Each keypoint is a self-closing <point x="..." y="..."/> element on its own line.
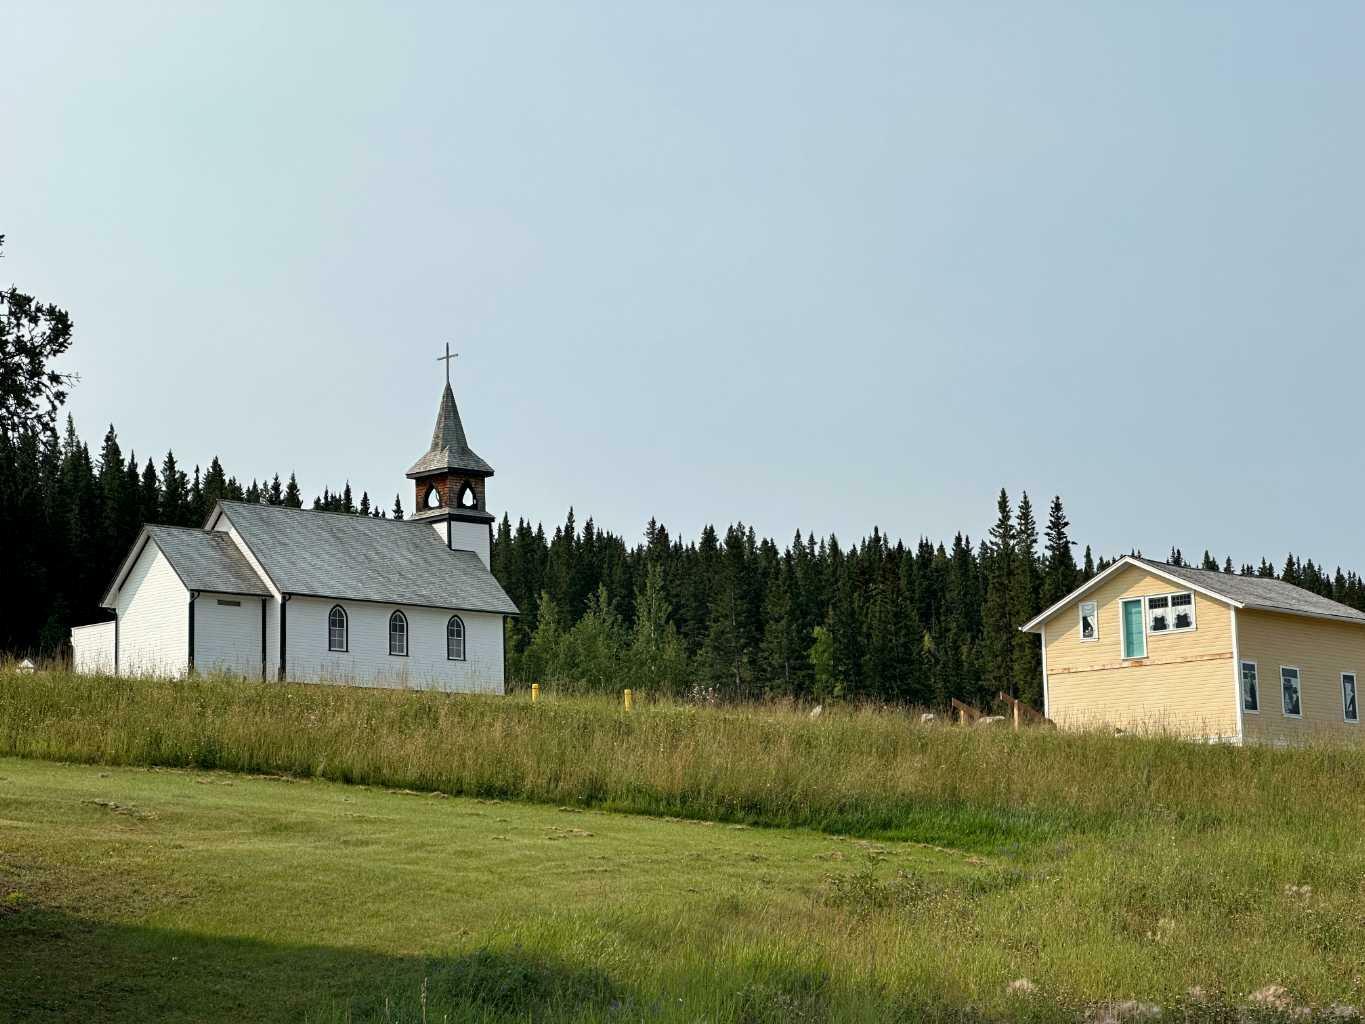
<point x="175" y="497"/>
<point x="1088" y="572"/>
<point x="1060" y="575"/>
<point x="364" y="508"/>
<point x="292" y="497"/>
<point x="1025" y="670"/>
<point x="997" y="627"/>
<point x="1210" y="563"/>
<point x="397" y="507"/>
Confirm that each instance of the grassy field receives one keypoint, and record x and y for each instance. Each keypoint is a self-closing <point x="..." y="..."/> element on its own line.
<point x="906" y="872"/>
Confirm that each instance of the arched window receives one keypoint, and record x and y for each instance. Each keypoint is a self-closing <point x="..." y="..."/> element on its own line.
<point x="337" y="629"/>
<point x="432" y="499"/>
<point x="398" y="635"/>
<point x="467" y="498"/>
<point x="455" y="639"/>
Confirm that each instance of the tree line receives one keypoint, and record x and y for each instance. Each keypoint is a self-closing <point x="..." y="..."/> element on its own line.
<point x="727" y="615"/>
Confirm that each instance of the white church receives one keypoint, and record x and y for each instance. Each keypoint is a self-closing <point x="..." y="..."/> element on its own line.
<point x="270" y="592"/>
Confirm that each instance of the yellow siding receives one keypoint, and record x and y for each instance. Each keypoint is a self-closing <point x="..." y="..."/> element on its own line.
<point x="1321" y="650"/>
<point x="1185" y="685"/>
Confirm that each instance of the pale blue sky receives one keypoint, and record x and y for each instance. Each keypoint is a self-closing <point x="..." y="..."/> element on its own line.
<point x="816" y="266"/>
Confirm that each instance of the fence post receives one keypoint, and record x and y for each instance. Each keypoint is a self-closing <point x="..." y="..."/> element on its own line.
<point x="1016" y="716"/>
<point x="535" y="692"/>
<point x="629" y="699"/>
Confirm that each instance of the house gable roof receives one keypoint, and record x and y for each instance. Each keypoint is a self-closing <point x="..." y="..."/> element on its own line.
<point x="203" y="560"/>
<point x="351" y="557"/>
<point x="1252" y="592"/>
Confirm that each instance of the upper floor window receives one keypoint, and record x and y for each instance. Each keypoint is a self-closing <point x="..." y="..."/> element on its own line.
<point x="1170" y="613"/>
<point x="1090" y="623"/>
<point x="398" y="635"/>
<point x="432" y="498"/>
<point x="1348" y="697"/>
<point x="337" y="629"/>
<point x="455" y="639"/>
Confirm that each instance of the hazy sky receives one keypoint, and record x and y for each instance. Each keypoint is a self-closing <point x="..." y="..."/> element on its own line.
<point x="821" y="266"/>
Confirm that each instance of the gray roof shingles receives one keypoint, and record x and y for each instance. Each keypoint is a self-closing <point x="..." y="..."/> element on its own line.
<point x="329" y="554"/>
<point x="449" y="447"/>
<point x="207" y="561"/>
<point x="1263" y="594"/>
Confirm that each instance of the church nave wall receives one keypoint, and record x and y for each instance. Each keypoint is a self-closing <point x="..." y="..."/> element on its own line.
<point x="368" y="662"/>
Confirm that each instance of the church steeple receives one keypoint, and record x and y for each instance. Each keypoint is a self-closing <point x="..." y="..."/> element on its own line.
<point x="450" y="477"/>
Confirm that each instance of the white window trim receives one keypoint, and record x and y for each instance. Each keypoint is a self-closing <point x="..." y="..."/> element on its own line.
<point x="1147" y="613"/>
<point x="1123" y="629"/>
<point x="1355" y="678"/>
<point x="1241" y="693"/>
<point x="1080" y="622"/>
<point x="1298" y="675"/>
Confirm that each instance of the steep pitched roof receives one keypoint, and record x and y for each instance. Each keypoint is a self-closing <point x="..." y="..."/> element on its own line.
<point x="449" y="448"/>
<point x="1251" y="592"/>
<point x="203" y="561"/>
<point x="329" y="554"/>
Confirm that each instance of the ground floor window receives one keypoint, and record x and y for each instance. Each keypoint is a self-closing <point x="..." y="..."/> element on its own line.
<point x="1289" y="686"/>
<point x="398" y="635"/>
<point x="1251" y="691"/>
<point x="1348" y="697"/>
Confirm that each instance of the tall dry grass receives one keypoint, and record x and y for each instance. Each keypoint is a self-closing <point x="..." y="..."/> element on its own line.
<point x="862" y="772"/>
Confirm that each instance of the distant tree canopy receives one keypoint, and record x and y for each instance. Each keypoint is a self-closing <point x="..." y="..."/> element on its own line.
<point x="32" y="334"/>
<point x="725" y="615"/>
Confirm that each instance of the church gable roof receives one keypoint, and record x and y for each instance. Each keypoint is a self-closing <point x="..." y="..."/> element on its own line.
<point x="334" y="555"/>
<point x="203" y="561"/>
<point x="449" y="447"/>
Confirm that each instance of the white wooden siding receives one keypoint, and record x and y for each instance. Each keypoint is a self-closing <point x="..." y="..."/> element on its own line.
<point x="92" y="648"/>
<point x="471" y="537"/>
<point x="154" y="623"/>
<point x="368" y="662"/>
<point x="227" y="637"/>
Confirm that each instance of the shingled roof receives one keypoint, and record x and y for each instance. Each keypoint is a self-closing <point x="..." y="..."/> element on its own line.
<point x="203" y="561"/>
<point x="1252" y="592"/>
<point x="329" y="554"/>
<point x="1257" y="592"/>
<point x="449" y="448"/>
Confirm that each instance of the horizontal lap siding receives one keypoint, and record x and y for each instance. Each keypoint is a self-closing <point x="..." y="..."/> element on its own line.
<point x="154" y="618"/>
<point x="92" y="648"/>
<point x="368" y="662"/>
<point x="1184" y="685"/>
<point x="1321" y="650"/>
<point x="227" y="637"/>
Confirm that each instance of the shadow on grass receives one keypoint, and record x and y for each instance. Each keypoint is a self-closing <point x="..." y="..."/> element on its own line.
<point x="58" y="967"/>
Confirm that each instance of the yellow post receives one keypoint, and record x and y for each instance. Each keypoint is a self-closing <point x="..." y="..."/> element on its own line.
<point x="535" y="692"/>
<point x="630" y="699"/>
<point x="1016" y="716"/>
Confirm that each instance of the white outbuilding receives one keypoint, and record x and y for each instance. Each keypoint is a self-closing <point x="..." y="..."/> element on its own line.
<point x="273" y="592"/>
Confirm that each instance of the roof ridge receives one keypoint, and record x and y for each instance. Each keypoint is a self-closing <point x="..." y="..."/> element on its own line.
<point x="310" y="511"/>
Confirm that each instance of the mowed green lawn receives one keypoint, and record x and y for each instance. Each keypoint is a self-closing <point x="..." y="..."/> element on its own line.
<point x="133" y="894"/>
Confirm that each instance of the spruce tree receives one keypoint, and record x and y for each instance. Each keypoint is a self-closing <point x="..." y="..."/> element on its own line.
<point x="1060" y="575"/>
<point x="997" y="627"/>
<point x="292" y="497"/>
<point x="397" y="507"/>
<point x="1025" y="670"/>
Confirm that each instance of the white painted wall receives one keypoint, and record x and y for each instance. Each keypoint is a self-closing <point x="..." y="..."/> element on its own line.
<point x="227" y="635"/>
<point x="154" y="618"/>
<point x="368" y="662"/>
<point x="272" y="612"/>
<point x="472" y="537"/>
<point x="92" y="648"/>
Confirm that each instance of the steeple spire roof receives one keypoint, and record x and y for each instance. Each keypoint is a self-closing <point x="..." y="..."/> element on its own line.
<point x="449" y="448"/>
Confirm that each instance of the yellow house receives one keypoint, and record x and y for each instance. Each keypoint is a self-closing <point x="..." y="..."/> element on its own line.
<point x="1146" y="646"/>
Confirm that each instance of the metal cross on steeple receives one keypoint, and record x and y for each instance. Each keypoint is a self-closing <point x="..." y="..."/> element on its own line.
<point x="446" y="359"/>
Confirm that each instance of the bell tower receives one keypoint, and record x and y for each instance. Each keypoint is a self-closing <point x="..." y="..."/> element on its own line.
<point x="450" y="482"/>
